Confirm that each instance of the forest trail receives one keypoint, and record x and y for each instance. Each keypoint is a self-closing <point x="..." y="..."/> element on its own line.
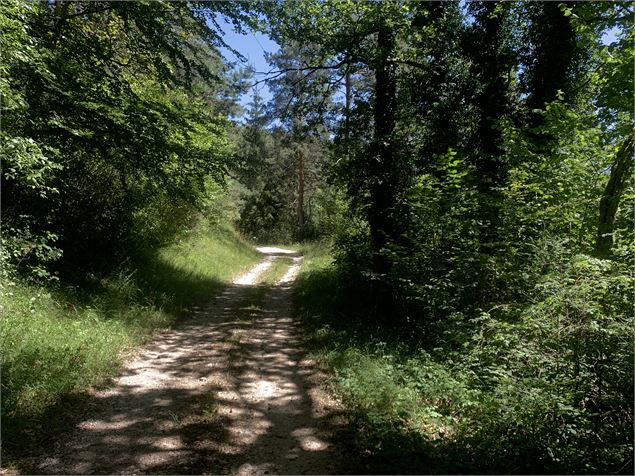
<point x="229" y="390"/>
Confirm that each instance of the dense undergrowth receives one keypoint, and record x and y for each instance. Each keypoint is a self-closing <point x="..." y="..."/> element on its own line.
<point x="547" y="390"/>
<point x="58" y="339"/>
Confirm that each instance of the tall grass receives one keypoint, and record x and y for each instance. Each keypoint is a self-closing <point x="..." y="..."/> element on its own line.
<point x="58" y="340"/>
<point x="195" y="267"/>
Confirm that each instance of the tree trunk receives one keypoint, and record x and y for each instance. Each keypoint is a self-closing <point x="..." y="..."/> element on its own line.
<point x="493" y="62"/>
<point x="620" y="174"/>
<point x="300" y="193"/>
<point x="552" y="65"/>
<point x="349" y="100"/>
<point x="383" y="188"/>
<point x="299" y="133"/>
<point x="382" y="193"/>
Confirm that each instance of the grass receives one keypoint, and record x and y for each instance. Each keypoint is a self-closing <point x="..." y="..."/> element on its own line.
<point x="57" y="341"/>
<point x="276" y="271"/>
<point x="412" y="410"/>
<point x="195" y="267"/>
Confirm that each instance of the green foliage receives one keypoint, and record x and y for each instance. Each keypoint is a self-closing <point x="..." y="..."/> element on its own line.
<point x="268" y="169"/>
<point x="475" y="149"/>
<point x="203" y="258"/>
<point x="544" y="388"/>
<point x="565" y="363"/>
<point x="461" y="179"/>
<point x="24" y="162"/>
<point x="109" y="112"/>
<point x="52" y="349"/>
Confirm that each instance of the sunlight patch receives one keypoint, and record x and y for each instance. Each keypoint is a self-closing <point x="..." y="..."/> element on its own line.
<point x="263" y="389"/>
<point x="270" y="249"/>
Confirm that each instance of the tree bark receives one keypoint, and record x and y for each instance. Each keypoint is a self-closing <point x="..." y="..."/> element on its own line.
<point x="299" y="133"/>
<point x="492" y="63"/>
<point x="620" y="174"/>
<point x="349" y="100"/>
<point x="382" y="189"/>
<point x="381" y="217"/>
<point x="301" y="193"/>
<point x="552" y="65"/>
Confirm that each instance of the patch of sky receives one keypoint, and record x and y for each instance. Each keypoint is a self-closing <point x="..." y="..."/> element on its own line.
<point x="610" y="36"/>
<point x="253" y="47"/>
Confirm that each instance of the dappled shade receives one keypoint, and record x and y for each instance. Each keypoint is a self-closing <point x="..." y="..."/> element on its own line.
<point x="228" y="390"/>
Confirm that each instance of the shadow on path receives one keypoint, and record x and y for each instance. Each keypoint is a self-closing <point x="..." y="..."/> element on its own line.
<point x="229" y="390"/>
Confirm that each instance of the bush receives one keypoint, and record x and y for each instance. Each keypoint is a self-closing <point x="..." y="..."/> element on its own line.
<point x="542" y="386"/>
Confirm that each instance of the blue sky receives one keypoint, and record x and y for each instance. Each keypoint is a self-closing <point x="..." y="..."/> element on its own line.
<point x="253" y="47"/>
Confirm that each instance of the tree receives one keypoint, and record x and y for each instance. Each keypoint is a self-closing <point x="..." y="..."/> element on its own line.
<point x="621" y="173"/>
<point x="127" y="107"/>
<point x="487" y="44"/>
<point x="548" y="70"/>
<point x="300" y="103"/>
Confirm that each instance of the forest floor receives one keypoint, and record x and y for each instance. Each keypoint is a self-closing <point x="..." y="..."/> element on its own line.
<point x="228" y="390"/>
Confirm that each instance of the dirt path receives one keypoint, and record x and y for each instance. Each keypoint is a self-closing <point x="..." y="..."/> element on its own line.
<point x="228" y="391"/>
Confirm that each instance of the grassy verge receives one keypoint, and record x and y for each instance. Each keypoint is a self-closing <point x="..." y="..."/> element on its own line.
<point x="57" y="341"/>
<point x="194" y="268"/>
